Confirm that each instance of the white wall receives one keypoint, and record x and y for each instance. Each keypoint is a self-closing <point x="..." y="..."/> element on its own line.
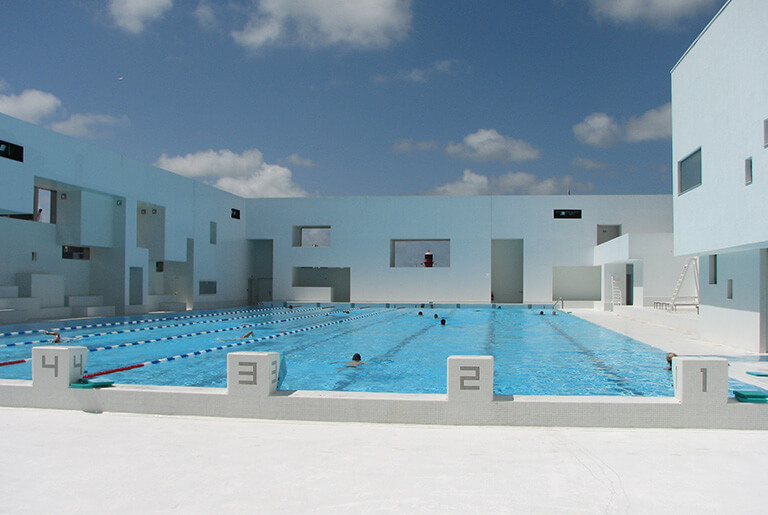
<point x="719" y="103"/>
<point x="362" y="228"/>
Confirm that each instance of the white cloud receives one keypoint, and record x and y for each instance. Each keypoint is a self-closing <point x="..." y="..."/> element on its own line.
<point x="601" y="130"/>
<point x="296" y="159"/>
<point x="83" y="125"/>
<point x="660" y="13"/>
<point x="205" y="16"/>
<point x="512" y="183"/>
<point x="587" y="164"/>
<point x="598" y="130"/>
<point x="651" y="125"/>
<point x="420" y="75"/>
<point x="408" y="145"/>
<point x="243" y="174"/>
<point x="133" y="15"/>
<point x="489" y="145"/>
<point x="319" y="23"/>
<point x="31" y="105"/>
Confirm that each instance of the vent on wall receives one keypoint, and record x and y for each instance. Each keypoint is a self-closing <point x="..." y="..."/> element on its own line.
<point x="207" y="287"/>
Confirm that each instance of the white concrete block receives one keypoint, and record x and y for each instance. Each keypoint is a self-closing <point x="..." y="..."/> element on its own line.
<point x="57" y="366"/>
<point x="700" y="380"/>
<point x="470" y="379"/>
<point x="49" y="288"/>
<point x="252" y="373"/>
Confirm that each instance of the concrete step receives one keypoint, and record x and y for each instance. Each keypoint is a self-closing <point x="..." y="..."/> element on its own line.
<point x="85" y="300"/>
<point x="93" y="311"/>
<point x="9" y="292"/>
<point x="172" y="306"/>
<point x="20" y="303"/>
<point x="13" y="316"/>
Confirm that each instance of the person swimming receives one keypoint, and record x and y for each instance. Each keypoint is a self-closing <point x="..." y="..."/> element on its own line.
<point x="669" y="360"/>
<point x="442" y="321"/>
<point x="56" y="336"/>
<point x="357" y="360"/>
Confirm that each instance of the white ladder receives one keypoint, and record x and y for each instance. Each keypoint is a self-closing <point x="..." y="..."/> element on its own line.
<point x="693" y="266"/>
<point x="615" y="292"/>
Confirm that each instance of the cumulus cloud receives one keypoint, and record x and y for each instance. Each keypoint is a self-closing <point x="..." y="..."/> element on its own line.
<point x="489" y="145"/>
<point x="598" y="130"/>
<point x="243" y="174"/>
<point x="320" y="23"/>
<point x="296" y="159"/>
<point x="512" y="183"/>
<point x="660" y="13"/>
<point x="405" y="146"/>
<point x="133" y="15"/>
<point x="31" y="105"/>
<point x="204" y="15"/>
<point x="651" y="125"/>
<point x="587" y="164"/>
<point x="601" y="130"/>
<point x="83" y="125"/>
<point x="420" y="75"/>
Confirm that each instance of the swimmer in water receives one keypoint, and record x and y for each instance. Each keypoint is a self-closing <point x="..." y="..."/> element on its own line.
<point x="247" y="335"/>
<point x="669" y="360"/>
<point x="442" y="322"/>
<point x="356" y="361"/>
<point x="56" y="336"/>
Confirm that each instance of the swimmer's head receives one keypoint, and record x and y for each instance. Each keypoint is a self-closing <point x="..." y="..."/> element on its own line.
<point x="356" y="357"/>
<point x="442" y="322"/>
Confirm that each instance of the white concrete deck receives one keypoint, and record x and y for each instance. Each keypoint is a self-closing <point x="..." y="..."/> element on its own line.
<point x="75" y="462"/>
<point x="70" y="462"/>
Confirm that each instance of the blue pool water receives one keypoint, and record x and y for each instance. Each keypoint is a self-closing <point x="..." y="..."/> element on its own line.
<point x="405" y="353"/>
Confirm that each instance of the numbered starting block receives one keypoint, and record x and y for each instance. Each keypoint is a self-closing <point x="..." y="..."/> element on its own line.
<point x="57" y="366"/>
<point x="700" y="380"/>
<point x="470" y="379"/>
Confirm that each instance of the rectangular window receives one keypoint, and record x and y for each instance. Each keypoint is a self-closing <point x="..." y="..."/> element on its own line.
<point x="689" y="172"/>
<point x="312" y="236"/>
<point x="235" y="213"/>
<point x="207" y="287"/>
<point x="713" y="269"/>
<point x="213" y="233"/>
<point x="765" y="133"/>
<point x="748" y="171"/>
<point x="567" y="213"/>
<point x="70" y="252"/>
<point x="420" y="253"/>
<point x="729" y="289"/>
<point x="11" y="151"/>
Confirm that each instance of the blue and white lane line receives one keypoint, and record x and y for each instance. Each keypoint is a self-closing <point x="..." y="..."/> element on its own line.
<point x="176" y="336"/>
<point x="231" y="345"/>
<point x="138" y="329"/>
<point x="133" y="322"/>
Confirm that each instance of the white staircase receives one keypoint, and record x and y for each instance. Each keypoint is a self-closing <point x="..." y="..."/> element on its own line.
<point x="616" y="299"/>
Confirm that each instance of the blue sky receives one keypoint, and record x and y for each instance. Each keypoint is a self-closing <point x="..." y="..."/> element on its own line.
<point x="361" y="97"/>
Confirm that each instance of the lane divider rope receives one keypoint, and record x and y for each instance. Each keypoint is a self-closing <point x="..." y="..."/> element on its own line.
<point x="130" y="322"/>
<point x="138" y="329"/>
<point x="175" y="336"/>
<point x="231" y="345"/>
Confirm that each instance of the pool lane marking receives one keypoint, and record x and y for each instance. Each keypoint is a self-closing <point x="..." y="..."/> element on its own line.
<point x="138" y="329"/>
<point x="172" y="337"/>
<point x="231" y="345"/>
<point x="142" y="321"/>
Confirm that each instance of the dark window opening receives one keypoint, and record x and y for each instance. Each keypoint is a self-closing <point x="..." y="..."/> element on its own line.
<point x="207" y="287"/>
<point x="567" y="213"/>
<point x="235" y="213"/>
<point x="689" y="172"/>
<point x="71" y="252"/>
<point x="11" y="151"/>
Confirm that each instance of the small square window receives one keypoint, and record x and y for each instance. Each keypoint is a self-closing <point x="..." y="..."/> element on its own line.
<point x="748" y="171"/>
<point x="235" y="213"/>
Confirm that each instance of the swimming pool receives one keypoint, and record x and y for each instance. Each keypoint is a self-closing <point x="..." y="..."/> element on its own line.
<point x="405" y="353"/>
